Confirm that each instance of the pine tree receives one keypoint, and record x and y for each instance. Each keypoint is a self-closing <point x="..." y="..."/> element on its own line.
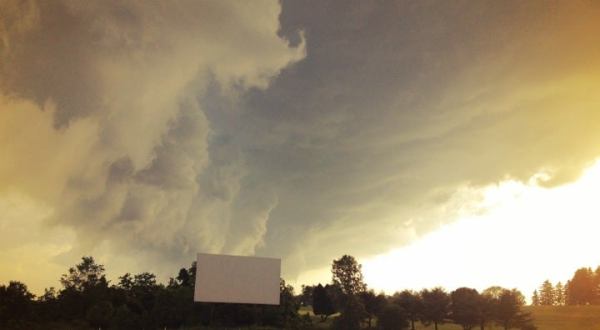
<point x="547" y="294"/>
<point x="559" y="294"/>
<point x="581" y="288"/>
<point x="535" y="298"/>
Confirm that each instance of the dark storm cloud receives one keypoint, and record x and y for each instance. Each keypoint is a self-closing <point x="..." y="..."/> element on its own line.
<point x="397" y="105"/>
<point x="115" y="87"/>
<point x="203" y="127"/>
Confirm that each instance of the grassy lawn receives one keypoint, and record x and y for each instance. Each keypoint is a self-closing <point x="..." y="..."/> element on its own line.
<point x="566" y="317"/>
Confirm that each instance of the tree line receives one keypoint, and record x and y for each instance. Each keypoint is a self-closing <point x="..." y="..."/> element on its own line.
<point x="87" y="300"/>
<point x="358" y="306"/>
<point x="582" y="289"/>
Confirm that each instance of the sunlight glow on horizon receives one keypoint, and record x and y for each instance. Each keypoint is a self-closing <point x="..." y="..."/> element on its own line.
<point x="527" y="234"/>
<point x="519" y="235"/>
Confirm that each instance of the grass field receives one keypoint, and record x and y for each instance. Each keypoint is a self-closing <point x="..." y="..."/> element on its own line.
<point x="566" y="317"/>
<point x="546" y="318"/>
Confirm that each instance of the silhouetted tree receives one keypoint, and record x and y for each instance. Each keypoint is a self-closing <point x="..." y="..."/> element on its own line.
<point x="125" y="281"/>
<point x="15" y="304"/>
<point x="374" y="304"/>
<point x="436" y="303"/>
<point x="84" y="275"/>
<point x="144" y="290"/>
<point x="411" y="303"/>
<point x="392" y="317"/>
<point x="135" y="302"/>
<point x="464" y="307"/>
<point x="322" y="303"/>
<point x="352" y="315"/>
<point x="84" y="285"/>
<point x="347" y="273"/>
<point x="183" y="278"/>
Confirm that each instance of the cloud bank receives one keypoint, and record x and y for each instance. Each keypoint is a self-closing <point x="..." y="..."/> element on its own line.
<point x="153" y="131"/>
<point x="101" y="120"/>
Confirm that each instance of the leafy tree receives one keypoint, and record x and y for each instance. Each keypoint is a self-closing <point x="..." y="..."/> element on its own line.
<point x="125" y="281"/>
<point x="374" y="304"/>
<point x="352" y="315"/>
<point x="49" y="295"/>
<point x="84" y="275"/>
<point x="347" y="273"/>
<point x="322" y="303"/>
<point x="488" y="306"/>
<point x="508" y="308"/>
<point x="144" y="289"/>
<point x="509" y="313"/>
<point x="547" y="297"/>
<point x="84" y="285"/>
<point x="464" y="307"/>
<point x="411" y="303"/>
<point x="436" y="303"/>
<point x="392" y="317"/>
<point x="494" y="291"/>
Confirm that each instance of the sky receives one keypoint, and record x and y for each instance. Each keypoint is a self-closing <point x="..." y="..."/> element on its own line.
<point x="440" y="143"/>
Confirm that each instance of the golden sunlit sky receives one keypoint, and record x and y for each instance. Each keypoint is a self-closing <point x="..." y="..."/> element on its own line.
<point x="513" y="235"/>
<point x="440" y="143"/>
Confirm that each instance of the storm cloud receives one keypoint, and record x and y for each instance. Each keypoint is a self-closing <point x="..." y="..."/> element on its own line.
<point x="101" y="109"/>
<point x="297" y="129"/>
